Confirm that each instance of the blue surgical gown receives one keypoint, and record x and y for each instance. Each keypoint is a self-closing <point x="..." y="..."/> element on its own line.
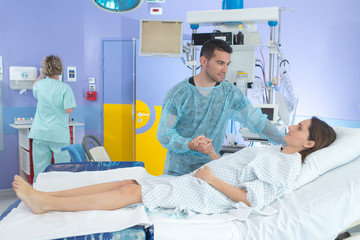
<point x="189" y="111"/>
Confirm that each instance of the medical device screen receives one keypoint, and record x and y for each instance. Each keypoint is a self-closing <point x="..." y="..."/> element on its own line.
<point x="271" y="110"/>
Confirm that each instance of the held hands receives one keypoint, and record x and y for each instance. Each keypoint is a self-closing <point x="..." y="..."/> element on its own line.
<point x="204" y="174"/>
<point x="204" y="145"/>
<point x="201" y="144"/>
<point x="201" y="140"/>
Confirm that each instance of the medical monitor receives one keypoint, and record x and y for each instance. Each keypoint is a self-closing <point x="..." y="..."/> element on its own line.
<point x="271" y="110"/>
<point x="161" y="38"/>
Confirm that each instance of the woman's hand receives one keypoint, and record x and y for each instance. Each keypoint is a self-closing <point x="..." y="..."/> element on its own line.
<point x="200" y="140"/>
<point x="234" y="193"/>
<point x="203" y="145"/>
<point x="205" y="174"/>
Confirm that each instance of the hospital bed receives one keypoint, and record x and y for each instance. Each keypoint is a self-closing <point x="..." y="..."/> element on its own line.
<point x="320" y="209"/>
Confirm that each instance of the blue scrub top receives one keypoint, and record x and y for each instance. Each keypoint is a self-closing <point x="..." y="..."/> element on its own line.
<point x="51" y="122"/>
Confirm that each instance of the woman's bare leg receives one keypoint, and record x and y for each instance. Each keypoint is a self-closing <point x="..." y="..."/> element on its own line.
<point x="92" y="189"/>
<point x="42" y="202"/>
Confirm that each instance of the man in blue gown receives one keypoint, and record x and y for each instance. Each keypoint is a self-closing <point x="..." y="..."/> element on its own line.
<point x="202" y="105"/>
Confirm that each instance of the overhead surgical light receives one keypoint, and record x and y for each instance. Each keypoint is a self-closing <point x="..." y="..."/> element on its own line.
<point x="118" y="6"/>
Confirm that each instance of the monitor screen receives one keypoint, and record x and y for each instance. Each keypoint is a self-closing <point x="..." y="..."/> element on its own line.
<point x="271" y="110"/>
<point x="161" y="38"/>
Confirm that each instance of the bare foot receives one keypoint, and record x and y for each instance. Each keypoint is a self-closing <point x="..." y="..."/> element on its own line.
<point x="31" y="197"/>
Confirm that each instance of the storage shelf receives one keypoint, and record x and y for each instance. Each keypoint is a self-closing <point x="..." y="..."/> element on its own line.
<point x="246" y="15"/>
<point x="250" y="47"/>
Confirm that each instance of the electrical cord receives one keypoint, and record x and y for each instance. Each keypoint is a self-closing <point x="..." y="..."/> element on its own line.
<point x="284" y="61"/>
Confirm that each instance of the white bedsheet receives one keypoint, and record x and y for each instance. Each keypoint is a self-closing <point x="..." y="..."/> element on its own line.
<point x="22" y="224"/>
<point x="319" y="210"/>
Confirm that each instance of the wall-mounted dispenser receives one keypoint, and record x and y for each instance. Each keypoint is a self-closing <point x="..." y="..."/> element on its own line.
<point x="22" y="78"/>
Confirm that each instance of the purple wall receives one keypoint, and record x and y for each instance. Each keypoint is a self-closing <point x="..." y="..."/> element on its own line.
<point x="321" y="43"/>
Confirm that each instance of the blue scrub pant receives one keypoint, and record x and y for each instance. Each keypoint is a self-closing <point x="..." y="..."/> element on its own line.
<point x="42" y="152"/>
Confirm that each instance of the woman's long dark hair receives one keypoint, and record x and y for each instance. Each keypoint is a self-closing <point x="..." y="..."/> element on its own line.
<point x="321" y="133"/>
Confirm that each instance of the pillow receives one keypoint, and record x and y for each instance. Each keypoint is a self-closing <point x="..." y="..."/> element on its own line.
<point x="344" y="149"/>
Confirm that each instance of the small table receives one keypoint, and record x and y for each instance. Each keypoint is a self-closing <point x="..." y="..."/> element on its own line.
<point x="26" y="167"/>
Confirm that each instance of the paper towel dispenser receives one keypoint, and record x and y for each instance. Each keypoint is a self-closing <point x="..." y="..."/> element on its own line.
<point x="22" y="77"/>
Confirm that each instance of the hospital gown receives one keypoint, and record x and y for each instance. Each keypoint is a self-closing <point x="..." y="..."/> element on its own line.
<point x="189" y="111"/>
<point x="264" y="172"/>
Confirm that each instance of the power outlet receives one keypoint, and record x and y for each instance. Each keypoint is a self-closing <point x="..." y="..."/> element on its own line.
<point x="71" y="74"/>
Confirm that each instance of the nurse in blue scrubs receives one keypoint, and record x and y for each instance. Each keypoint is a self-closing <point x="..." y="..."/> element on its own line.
<point x="50" y="128"/>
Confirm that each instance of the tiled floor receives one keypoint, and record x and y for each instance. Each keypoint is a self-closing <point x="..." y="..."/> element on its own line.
<point x="7" y="197"/>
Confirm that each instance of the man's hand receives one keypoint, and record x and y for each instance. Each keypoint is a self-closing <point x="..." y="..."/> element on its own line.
<point x="201" y="144"/>
<point x="201" y="140"/>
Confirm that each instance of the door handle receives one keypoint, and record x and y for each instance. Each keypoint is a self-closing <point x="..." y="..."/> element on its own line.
<point x="143" y="114"/>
